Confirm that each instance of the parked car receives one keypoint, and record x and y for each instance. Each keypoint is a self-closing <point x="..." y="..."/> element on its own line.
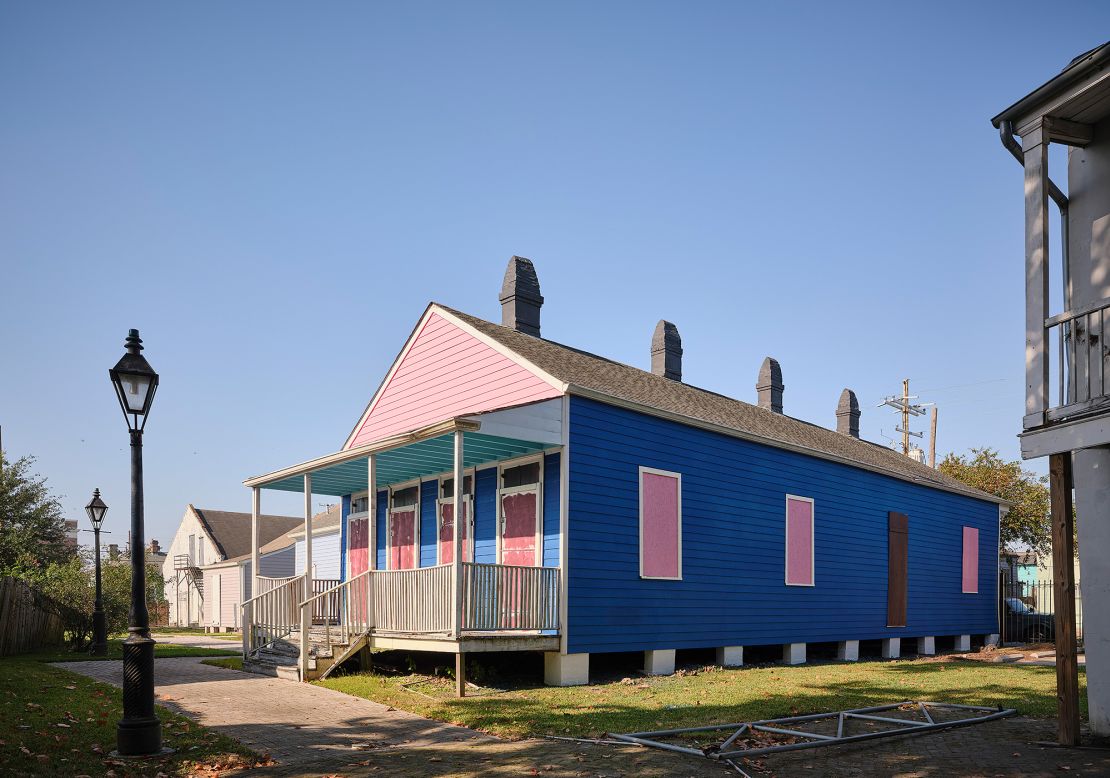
<point x="1025" y="625"/>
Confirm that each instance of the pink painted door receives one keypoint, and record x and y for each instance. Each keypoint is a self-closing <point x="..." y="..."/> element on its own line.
<point x="520" y="520"/>
<point x="359" y="544"/>
<point x="447" y="533"/>
<point x="402" y="539"/>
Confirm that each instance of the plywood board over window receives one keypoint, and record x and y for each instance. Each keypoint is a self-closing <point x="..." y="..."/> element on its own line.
<point x="660" y="524"/>
<point x="799" y="541"/>
<point x="970" y="583"/>
<point x="898" y="533"/>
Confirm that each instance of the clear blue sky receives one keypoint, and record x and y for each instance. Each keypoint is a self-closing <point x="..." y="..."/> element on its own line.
<point x="272" y="192"/>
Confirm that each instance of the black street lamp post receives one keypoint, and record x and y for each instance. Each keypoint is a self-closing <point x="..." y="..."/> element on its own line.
<point x="139" y="732"/>
<point x="96" y="510"/>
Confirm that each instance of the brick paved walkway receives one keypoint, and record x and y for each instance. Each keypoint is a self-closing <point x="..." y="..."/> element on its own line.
<point x="296" y="724"/>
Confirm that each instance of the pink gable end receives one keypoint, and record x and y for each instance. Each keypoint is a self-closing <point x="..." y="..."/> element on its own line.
<point x="447" y="372"/>
<point x="971" y="561"/>
<point x="799" y="542"/>
<point x="660" y="526"/>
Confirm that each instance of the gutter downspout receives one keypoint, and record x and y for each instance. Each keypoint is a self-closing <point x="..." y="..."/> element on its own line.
<point x="1006" y="133"/>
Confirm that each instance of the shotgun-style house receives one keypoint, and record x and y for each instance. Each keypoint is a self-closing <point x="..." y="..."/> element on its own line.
<point x="207" y="537"/>
<point x="607" y="508"/>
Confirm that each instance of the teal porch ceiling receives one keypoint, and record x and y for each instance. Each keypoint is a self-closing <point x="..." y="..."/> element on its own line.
<point x="422" y="459"/>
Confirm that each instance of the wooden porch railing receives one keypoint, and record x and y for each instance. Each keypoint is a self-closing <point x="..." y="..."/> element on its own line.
<point x="504" y="597"/>
<point x="271" y="615"/>
<point x="1081" y="360"/>
<point x="326" y="606"/>
<point x="416" y="601"/>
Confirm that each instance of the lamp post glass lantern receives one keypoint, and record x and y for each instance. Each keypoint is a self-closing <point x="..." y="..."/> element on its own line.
<point x="139" y="732"/>
<point x="96" y="510"/>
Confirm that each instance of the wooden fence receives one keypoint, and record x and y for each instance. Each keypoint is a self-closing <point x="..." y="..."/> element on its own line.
<point x="28" y="620"/>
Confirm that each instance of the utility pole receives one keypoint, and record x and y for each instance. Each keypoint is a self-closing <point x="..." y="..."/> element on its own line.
<point x="907" y="409"/>
<point x="933" y="440"/>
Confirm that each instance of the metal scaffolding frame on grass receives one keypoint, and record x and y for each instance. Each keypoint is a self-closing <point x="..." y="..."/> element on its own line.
<point x="727" y="750"/>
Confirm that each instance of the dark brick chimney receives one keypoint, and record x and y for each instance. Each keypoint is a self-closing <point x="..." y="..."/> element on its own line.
<point x="666" y="351"/>
<point x="847" y="414"/>
<point x="769" y="386"/>
<point x="520" y="297"/>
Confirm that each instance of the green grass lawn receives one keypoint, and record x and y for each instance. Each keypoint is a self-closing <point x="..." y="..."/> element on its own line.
<point x="711" y="695"/>
<point x="231" y="662"/>
<point x="115" y="651"/>
<point x="197" y="632"/>
<point x="57" y="723"/>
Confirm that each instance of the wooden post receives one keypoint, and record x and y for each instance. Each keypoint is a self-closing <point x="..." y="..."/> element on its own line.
<point x="456" y="538"/>
<point x="933" y="440"/>
<point x="1063" y="573"/>
<point x="1035" y="148"/>
<point x="256" y="511"/>
<point x="306" y="619"/>
<point x="372" y="511"/>
<point x="460" y="674"/>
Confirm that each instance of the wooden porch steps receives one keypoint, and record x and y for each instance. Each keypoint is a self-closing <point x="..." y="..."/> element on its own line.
<point x="280" y="658"/>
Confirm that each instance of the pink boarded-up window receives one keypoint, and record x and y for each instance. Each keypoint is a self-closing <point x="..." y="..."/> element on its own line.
<point x="660" y="524"/>
<point x="799" y="541"/>
<point x="971" y="561"/>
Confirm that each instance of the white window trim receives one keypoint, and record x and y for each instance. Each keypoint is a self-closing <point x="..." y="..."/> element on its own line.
<point x="441" y="501"/>
<point x="812" y="541"/>
<point x="640" y="484"/>
<point x="537" y="487"/>
<point x="389" y="523"/>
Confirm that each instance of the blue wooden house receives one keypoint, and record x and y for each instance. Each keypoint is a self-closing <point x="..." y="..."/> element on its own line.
<point x="606" y="508"/>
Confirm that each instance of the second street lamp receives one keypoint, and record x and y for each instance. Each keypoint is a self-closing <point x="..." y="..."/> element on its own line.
<point x="139" y="732"/>
<point x="96" y="510"/>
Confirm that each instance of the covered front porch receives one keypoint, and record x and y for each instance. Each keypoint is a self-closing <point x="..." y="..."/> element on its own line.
<point x="402" y="591"/>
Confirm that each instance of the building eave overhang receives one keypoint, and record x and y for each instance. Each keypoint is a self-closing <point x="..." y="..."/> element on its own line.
<point x="354" y="454"/>
<point x="1081" y="68"/>
<point x="692" y="421"/>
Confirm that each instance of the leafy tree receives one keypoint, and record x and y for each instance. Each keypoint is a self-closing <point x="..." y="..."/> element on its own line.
<point x="32" y="525"/>
<point x="1028" y="521"/>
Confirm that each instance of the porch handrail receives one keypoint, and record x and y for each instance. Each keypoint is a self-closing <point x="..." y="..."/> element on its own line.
<point x="416" y="600"/>
<point x="271" y="615"/>
<point x="510" y="597"/>
<point x="355" y="614"/>
<point x="1080" y="358"/>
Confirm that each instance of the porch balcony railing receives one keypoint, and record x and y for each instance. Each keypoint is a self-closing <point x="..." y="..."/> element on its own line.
<point x="1077" y="342"/>
<point x="496" y="598"/>
<point x="273" y="614"/>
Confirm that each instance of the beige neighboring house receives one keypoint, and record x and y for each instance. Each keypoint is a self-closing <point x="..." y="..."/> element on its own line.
<point x="207" y="538"/>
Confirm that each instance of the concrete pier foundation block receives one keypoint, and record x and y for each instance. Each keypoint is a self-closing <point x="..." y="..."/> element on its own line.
<point x="848" y="651"/>
<point x="730" y="656"/>
<point x="659" y="662"/>
<point x="892" y="648"/>
<point x="963" y="643"/>
<point x="566" y="669"/>
<point x="926" y="646"/>
<point x="794" y="654"/>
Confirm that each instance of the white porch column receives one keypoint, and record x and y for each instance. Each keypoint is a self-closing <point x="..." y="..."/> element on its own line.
<point x="306" y="619"/>
<point x="256" y="511"/>
<point x="372" y="511"/>
<point x="1035" y="147"/>
<point x="456" y="537"/>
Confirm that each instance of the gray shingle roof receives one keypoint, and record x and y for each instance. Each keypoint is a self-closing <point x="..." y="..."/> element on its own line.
<point x="630" y="384"/>
<point x="231" y="532"/>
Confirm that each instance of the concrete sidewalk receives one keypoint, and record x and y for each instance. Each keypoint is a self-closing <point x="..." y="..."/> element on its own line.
<point x="297" y="724"/>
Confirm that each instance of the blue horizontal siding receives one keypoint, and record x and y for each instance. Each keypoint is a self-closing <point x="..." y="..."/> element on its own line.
<point x="485" y="516"/>
<point x="551" y="510"/>
<point x="733" y="544"/>
<point x="429" y="491"/>
<point x="380" y="519"/>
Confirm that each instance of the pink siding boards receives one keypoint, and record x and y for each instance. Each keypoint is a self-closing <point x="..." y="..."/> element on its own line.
<point x="447" y="372"/>
<point x="799" y="542"/>
<point x="971" y="561"/>
<point x="660" y="525"/>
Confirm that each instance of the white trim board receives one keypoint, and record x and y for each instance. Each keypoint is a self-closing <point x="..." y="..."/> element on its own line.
<point x="640" y="497"/>
<point x="812" y="540"/>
